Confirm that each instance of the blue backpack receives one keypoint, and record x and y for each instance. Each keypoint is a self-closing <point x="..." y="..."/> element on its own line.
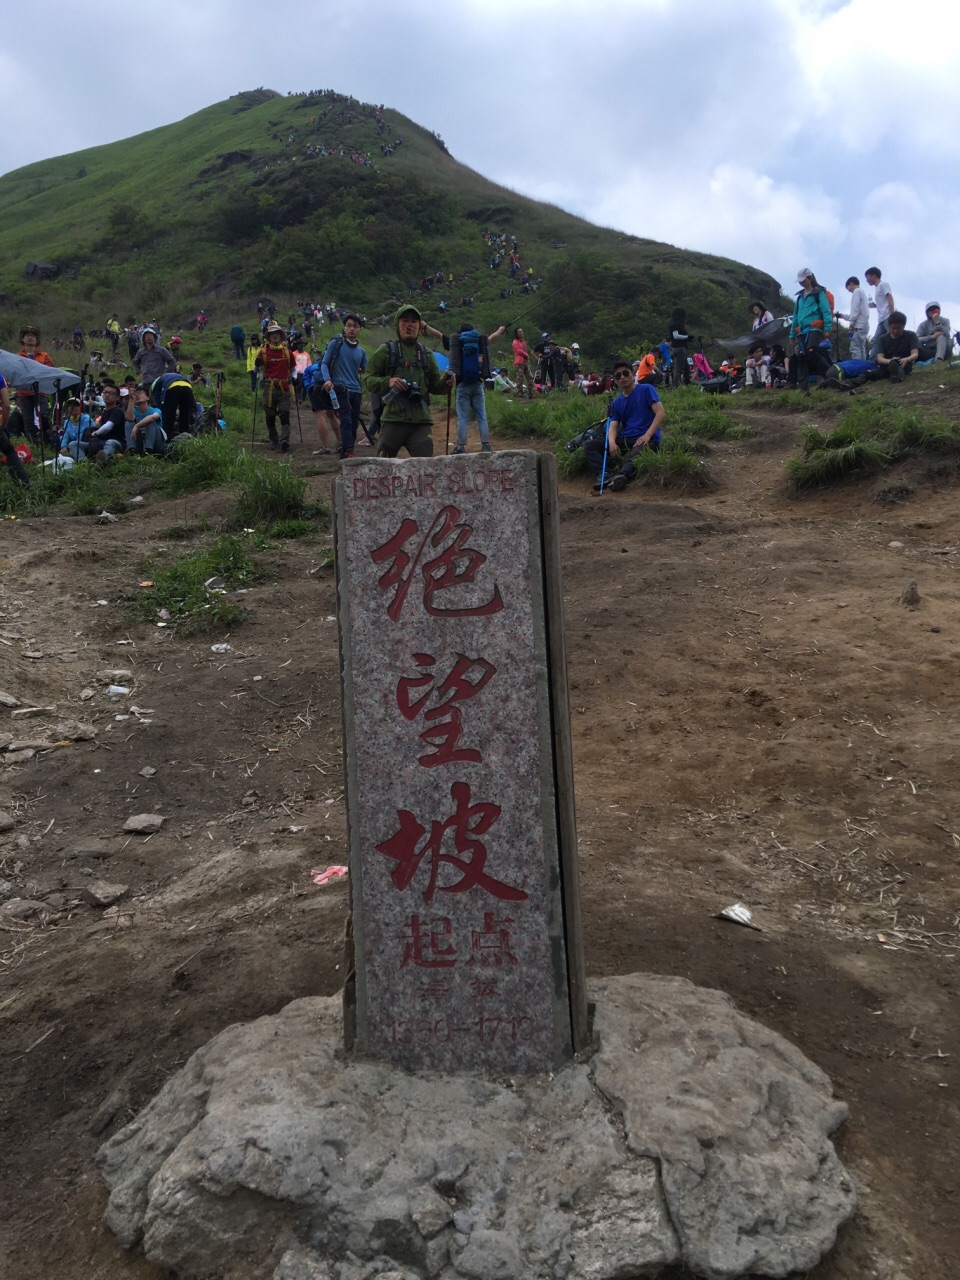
<point x="471" y="355"/>
<point x="312" y="376"/>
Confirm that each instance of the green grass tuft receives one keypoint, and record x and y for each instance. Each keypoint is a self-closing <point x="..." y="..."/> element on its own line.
<point x="268" y="492"/>
<point x="290" y="529"/>
<point x="872" y="435"/>
<point x="180" y="588"/>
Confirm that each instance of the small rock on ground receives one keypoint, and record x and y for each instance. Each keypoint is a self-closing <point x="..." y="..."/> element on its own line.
<point x="22" y="909"/>
<point x="101" y="893"/>
<point x="76" y="731"/>
<point x="144" y="823"/>
<point x="6" y="822"/>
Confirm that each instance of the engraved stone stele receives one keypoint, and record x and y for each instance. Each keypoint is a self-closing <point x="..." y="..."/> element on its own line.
<point x="459" y="786"/>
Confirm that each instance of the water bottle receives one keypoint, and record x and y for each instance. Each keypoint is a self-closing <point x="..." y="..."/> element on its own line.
<point x="334" y="402"/>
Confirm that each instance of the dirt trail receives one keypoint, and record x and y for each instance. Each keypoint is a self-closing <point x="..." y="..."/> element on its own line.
<point x="756" y="718"/>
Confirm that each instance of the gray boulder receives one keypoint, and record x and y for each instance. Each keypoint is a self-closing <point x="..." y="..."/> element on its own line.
<point x="692" y="1136"/>
<point x="37" y="272"/>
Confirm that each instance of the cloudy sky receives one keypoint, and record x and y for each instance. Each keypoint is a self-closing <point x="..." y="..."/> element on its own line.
<point x="821" y="134"/>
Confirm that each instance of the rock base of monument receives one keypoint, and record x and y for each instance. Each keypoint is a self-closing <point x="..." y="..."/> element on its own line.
<point x="692" y="1136"/>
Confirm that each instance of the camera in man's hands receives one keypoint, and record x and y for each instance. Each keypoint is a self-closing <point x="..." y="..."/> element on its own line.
<point x="410" y="389"/>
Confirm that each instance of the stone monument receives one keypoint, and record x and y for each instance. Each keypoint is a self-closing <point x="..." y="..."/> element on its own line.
<point x="459" y="783"/>
<point x="449" y="1147"/>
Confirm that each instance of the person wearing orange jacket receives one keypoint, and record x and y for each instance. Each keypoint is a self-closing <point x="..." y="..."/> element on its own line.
<point x="34" y="410"/>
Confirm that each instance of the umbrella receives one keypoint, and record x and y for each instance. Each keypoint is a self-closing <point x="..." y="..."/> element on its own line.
<point x="18" y="371"/>
<point x="767" y="333"/>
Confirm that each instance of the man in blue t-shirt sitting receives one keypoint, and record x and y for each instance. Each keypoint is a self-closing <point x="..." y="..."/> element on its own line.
<point x="633" y="423"/>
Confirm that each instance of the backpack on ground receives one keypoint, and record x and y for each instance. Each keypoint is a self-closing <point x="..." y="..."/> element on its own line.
<point x="847" y="375"/>
<point x="595" y="431"/>
<point x="716" y="386"/>
<point x="470" y="356"/>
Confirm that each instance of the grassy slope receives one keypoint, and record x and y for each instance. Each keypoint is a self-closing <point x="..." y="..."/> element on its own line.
<point x="175" y="241"/>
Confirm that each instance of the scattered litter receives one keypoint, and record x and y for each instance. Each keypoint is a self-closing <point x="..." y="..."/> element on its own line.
<point x="147" y="771"/>
<point x="739" y="914"/>
<point x="216" y="585"/>
<point x="331" y="617"/>
<point x="144" y="585"/>
<point x="27" y="713"/>
<point x="164" y="614"/>
<point x="121" y="717"/>
<point x="221" y="648"/>
<point x="257" y="678"/>
<point x="329" y="875"/>
<point x="107" y="517"/>
<point x="141" y="711"/>
<point x="117" y="691"/>
<point x="935" y="629"/>
<point x="894" y="544"/>
<point x="296" y="829"/>
<point x="102" y="602"/>
<point x="137" y="501"/>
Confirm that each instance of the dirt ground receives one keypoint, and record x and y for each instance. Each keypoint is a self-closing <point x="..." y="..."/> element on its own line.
<point x="756" y="718"/>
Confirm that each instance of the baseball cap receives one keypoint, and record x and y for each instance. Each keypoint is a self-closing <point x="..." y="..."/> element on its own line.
<point x="803" y="274"/>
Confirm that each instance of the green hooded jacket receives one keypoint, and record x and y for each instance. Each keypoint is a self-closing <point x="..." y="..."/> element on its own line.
<point x="377" y="379"/>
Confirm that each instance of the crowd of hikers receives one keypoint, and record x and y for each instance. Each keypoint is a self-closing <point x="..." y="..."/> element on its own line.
<point x="136" y="396"/>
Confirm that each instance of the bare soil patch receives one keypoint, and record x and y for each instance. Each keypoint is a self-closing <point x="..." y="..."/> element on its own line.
<point x="756" y="718"/>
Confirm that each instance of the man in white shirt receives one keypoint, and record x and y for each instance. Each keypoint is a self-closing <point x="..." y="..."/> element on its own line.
<point x="859" y="318"/>
<point x="883" y="302"/>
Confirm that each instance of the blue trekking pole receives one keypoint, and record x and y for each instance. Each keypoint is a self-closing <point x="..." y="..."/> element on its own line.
<point x="606" y="453"/>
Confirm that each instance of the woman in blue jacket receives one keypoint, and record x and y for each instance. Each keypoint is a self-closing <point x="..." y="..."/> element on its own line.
<point x="812" y="321"/>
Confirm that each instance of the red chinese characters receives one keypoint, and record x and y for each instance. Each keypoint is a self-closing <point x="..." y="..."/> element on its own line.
<point x="427" y="944"/>
<point x="412" y="843"/>
<point x="444" y="719"/>
<point x="455" y="564"/>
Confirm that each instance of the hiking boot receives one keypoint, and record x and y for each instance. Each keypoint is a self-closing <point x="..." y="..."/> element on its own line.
<point x="459" y="449"/>
<point x="284" y="446"/>
<point x="619" y="483"/>
<point x="484" y="448"/>
<point x="599" y="488"/>
<point x="348" y="454"/>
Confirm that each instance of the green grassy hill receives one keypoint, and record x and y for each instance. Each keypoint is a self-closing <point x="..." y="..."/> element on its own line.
<point x="226" y="206"/>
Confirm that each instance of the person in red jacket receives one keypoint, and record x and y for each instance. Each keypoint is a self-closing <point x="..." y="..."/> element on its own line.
<point x="277" y="365"/>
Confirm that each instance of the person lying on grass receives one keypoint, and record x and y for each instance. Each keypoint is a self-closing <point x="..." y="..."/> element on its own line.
<point x="633" y="424"/>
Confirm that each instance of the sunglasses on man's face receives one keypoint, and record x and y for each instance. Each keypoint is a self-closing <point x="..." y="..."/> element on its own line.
<point x="623" y="373"/>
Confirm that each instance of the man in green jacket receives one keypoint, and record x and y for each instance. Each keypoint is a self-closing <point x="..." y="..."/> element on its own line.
<point x="404" y="374"/>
